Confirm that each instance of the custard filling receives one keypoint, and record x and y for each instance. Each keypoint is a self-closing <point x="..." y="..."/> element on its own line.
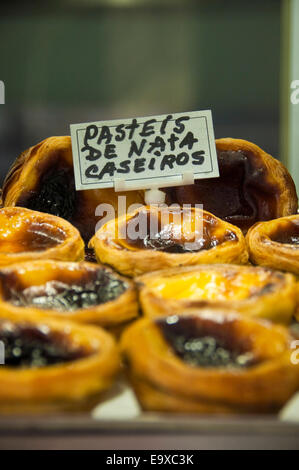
<point x="213" y="285"/>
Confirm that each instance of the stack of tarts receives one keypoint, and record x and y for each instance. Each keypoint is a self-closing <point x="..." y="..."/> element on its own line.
<point x="216" y="288"/>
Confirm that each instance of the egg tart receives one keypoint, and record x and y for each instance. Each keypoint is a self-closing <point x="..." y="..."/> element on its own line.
<point x="255" y="291"/>
<point x="253" y="186"/>
<point x="82" y="292"/>
<point x="167" y="237"/>
<point x="276" y="243"/>
<point x="42" y="179"/>
<point x="30" y="235"/>
<point x="210" y="362"/>
<point x="53" y="364"/>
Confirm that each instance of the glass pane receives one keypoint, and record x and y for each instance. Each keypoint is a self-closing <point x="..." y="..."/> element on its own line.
<point x="97" y="60"/>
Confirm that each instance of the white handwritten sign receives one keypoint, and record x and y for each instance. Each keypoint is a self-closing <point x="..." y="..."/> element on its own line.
<point x="144" y="152"/>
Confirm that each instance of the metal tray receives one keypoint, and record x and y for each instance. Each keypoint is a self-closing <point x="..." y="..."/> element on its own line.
<point x="148" y="431"/>
<point x="117" y="422"/>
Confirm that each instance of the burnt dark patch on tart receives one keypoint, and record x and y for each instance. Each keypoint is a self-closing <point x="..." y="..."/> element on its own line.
<point x="34" y="236"/>
<point x="162" y="236"/>
<point x="204" y="343"/>
<point x="29" y="346"/>
<point x="287" y="232"/>
<point x="55" y="194"/>
<point x="242" y="195"/>
<point x="40" y="236"/>
<point x="94" y="287"/>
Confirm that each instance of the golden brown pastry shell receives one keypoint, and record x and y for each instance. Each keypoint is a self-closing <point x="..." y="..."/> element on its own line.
<point x="17" y="224"/>
<point x="164" y="382"/>
<point x="65" y="385"/>
<point x="135" y="262"/>
<point x="265" y="251"/>
<point x="274" y="299"/>
<point x="54" y="154"/>
<point x="111" y="314"/>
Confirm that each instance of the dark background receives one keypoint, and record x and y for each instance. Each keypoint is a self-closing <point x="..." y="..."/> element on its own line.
<point x="74" y="61"/>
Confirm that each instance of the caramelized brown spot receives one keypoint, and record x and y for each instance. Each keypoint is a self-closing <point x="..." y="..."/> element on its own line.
<point x="28" y="346"/>
<point x="168" y="237"/>
<point x="242" y="195"/>
<point x="287" y="232"/>
<point x="206" y="343"/>
<point x="32" y="236"/>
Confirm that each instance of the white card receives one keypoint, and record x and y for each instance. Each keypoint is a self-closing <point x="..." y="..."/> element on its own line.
<point x="290" y="411"/>
<point x="2" y="92"/>
<point x="146" y="152"/>
<point x="121" y="405"/>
